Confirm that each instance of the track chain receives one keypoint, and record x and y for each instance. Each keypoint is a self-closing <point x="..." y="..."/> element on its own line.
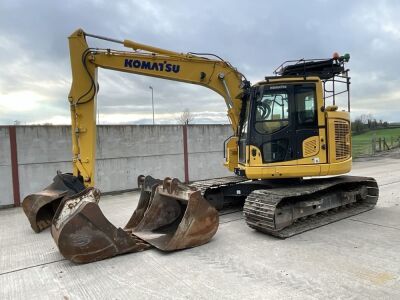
<point x="260" y="206"/>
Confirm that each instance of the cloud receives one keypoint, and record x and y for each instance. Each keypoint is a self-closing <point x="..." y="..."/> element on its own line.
<point x="35" y="74"/>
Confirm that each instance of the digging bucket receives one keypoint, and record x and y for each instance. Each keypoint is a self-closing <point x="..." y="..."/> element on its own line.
<point x="145" y="183"/>
<point x="83" y="234"/>
<point x="169" y="216"/>
<point x="177" y="217"/>
<point x="40" y="207"/>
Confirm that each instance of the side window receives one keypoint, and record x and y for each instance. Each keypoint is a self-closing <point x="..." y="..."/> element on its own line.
<point x="275" y="151"/>
<point x="272" y="112"/>
<point x="243" y="134"/>
<point x="306" y="108"/>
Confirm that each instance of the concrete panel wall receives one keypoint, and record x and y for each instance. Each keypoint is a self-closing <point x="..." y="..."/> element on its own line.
<point x="205" y="147"/>
<point x="123" y="153"/>
<point x="36" y="176"/>
<point x="6" y="191"/>
<point x="42" y="150"/>
<point x="43" y="144"/>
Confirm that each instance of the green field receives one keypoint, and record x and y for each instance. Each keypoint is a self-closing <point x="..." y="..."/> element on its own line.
<point x="362" y="143"/>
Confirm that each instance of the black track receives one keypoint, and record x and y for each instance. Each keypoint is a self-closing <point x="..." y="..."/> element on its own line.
<point x="262" y="206"/>
<point x="266" y="200"/>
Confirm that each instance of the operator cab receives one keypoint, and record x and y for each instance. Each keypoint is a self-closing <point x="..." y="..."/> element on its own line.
<point x="285" y="110"/>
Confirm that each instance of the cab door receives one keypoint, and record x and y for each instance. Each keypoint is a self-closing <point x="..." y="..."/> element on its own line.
<point x="273" y="127"/>
<point x="306" y="121"/>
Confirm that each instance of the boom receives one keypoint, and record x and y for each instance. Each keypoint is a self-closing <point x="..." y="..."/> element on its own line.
<point x="215" y="74"/>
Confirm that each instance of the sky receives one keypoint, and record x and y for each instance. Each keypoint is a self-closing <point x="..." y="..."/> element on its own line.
<point x="254" y="36"/>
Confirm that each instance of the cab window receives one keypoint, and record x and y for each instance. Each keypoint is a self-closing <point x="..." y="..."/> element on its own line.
<point x="306" y="107"/>
<point x="272" y="111"/>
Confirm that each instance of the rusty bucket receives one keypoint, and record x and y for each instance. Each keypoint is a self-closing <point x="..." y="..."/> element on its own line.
<point x="169" y="216"/>
<point x="145" y="183"/>
<point x="41" y="207"/>
<point x="83" y="234"/>
<point x="177" y="217"/>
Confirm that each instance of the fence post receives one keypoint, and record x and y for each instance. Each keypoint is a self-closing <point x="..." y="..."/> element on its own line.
<point x="380" y="144"/>
<point x="385" y="145"/>
<point x="14" y="165"/>
<point x="374" y="143"/>
<point x="185" y="152"/>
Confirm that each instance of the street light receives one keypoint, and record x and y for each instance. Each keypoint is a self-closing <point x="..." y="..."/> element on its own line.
<point x="152" y="101"/>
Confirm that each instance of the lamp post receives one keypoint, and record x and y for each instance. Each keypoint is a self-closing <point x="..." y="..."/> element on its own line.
<point x="152" y="101"/>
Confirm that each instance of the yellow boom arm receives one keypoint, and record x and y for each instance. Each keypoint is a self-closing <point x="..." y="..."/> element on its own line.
<point x="215" y="74"/>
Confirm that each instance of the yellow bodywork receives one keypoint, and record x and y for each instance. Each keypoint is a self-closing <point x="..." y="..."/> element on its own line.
<point x="231" y="153"/>
<point x="323" y="160"/>
<point x="328" y="153"/>
<point x="217" y="75"/>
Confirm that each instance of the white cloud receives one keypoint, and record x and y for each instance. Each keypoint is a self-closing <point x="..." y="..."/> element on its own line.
<point x="55" y="120"/>
<point x="35" y="73"/>
<point x="21" y="101"/>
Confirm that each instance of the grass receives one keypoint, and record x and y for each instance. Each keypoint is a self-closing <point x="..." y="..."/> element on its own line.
<point x="362" y="142"/>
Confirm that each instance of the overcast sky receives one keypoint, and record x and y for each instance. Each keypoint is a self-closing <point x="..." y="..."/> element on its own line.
<point x="255" y="36"/>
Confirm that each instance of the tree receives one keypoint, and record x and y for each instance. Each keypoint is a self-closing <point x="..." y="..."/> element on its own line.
<point x="358" y="126"/>
<point x="374" y="124"/>
<point x="186" y="117"/>
<point x="366" y="119"/>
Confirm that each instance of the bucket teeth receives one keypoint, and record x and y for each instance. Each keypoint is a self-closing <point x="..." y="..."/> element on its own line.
<point x="169" y="216"/>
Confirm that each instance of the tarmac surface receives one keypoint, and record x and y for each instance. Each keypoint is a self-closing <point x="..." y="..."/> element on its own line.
<point x="355" y="258"/>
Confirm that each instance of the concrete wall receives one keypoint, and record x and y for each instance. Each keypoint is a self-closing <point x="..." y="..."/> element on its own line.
<point x="42" y="150"/>
<point x="205" y="147"/>
<point x="123" y="153"/>
<point x="6" y="192"/>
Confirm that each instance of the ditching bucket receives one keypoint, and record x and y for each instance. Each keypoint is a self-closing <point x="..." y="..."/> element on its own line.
<point x="169" y="216"/>
<point x="41" y="207"/>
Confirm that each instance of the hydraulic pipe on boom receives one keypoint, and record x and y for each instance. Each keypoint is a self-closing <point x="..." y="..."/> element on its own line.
<point x="217" y="75"/>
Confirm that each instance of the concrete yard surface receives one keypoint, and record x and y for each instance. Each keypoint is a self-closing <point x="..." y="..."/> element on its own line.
<point x="355" y="258"/>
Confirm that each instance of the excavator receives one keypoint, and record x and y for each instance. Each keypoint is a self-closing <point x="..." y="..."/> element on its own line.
<point x="288" y="152"/>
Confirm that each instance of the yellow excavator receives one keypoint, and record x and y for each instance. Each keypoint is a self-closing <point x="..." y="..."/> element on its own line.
<point x="285" y="138"/>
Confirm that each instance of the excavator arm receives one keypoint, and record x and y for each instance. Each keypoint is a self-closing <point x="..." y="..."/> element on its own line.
<point x="170" y="215"/>
<point x="215" y="74"/>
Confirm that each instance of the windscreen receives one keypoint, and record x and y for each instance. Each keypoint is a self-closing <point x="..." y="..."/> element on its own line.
<point x="272" y="111"/>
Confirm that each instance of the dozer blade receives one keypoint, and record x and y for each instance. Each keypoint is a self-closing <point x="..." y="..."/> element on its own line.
<point x="40" y="207"/>
<point x="169" y="216"/>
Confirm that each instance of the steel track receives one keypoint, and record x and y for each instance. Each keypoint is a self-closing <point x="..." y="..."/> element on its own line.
<point x="262" y="206"/>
